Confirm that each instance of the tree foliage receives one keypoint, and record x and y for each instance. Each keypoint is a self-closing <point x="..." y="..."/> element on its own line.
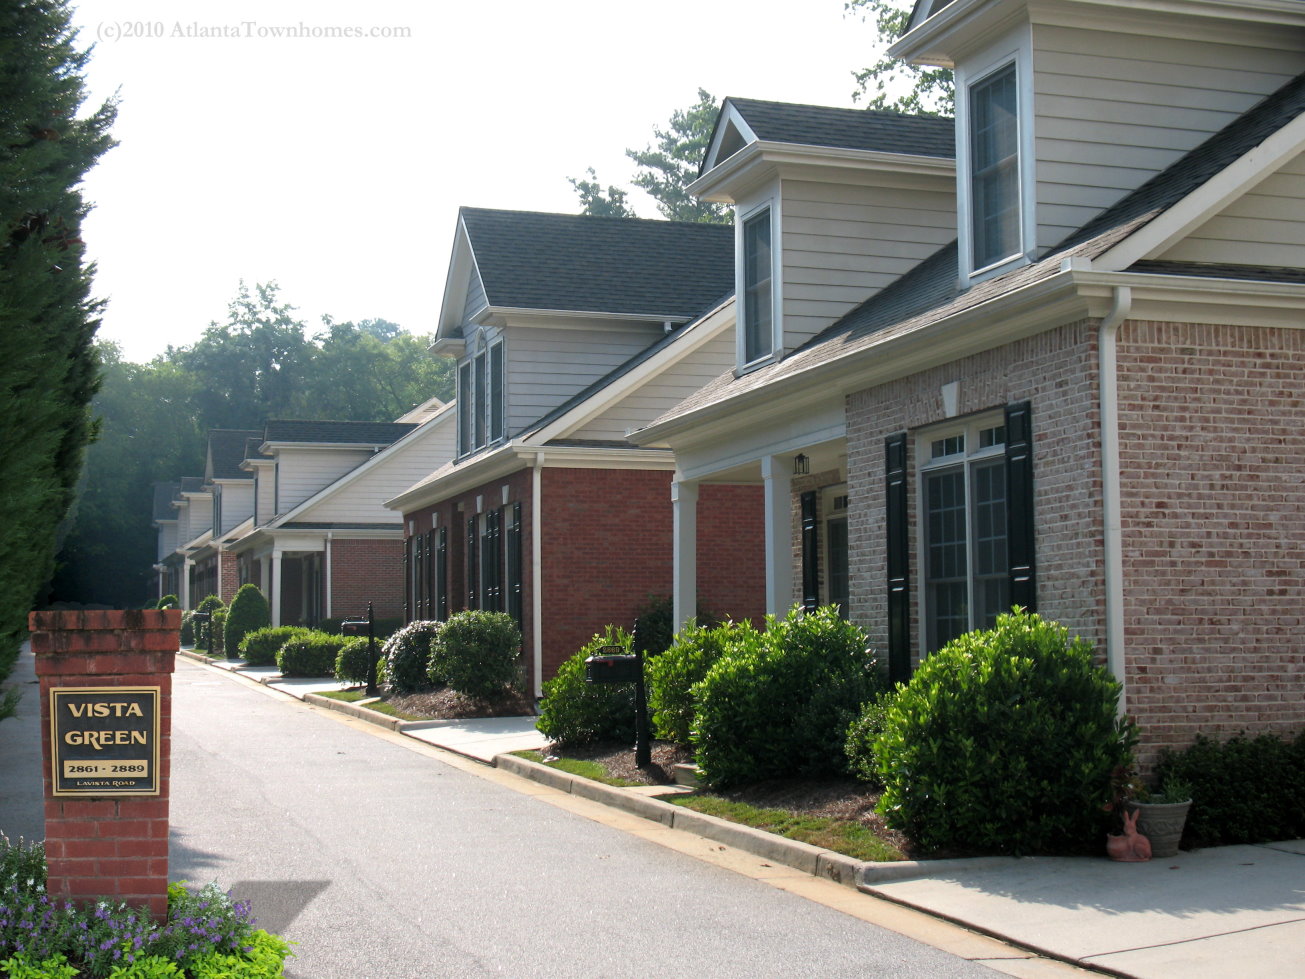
<point x="664" y="170"/>
<point x="154" y="419"/>
<point x="48" y="368"/>
<point x="893" y="84"/>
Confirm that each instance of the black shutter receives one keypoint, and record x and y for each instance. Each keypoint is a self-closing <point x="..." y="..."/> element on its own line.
<point x="473" y="585"/>
<point x="419" y="576"/>
<point x="428" y="573"/>
<point x="407" y="581"/>
<point x="810" y="553"/>
<point x="514" y="563"/>
<point x="899" y="560"/>
<point x="1019" y="507"/>
<point x="491" y="562"/>
<point x="442" y="574"/>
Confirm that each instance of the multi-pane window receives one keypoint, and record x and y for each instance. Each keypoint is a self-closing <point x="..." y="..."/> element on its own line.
<point x="758" y="324"/>
<point x="994" y="168"/>
<point x="964" y="510"/>
<point x="481" y="400"/>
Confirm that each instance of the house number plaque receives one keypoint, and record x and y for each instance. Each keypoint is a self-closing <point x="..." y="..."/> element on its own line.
<point x="104" y="741"/>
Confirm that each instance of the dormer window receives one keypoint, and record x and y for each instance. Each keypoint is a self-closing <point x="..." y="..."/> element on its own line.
<point x="481" y="415"/>
<point x="758" y="302"/>
<point x="994" y="168"/>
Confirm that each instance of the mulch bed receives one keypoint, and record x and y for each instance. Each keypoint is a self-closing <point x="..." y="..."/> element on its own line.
<point x="446" y="704"/>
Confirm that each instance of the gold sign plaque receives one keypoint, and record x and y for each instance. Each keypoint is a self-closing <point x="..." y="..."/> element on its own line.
<point x="104" y="741"/>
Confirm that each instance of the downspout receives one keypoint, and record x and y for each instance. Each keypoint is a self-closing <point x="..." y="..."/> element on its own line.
<point x="537" y="569"/>
<point x="1110" y="493"/>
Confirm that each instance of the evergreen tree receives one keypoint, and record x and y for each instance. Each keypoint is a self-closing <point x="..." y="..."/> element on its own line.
<point x="48" y="367"/>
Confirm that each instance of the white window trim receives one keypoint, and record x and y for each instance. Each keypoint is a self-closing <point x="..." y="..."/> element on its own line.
<point x="742" y="217"/>
<point x="480" y="345"/>
<point x="1015" y="49"/>
<point x="922" y="448"/>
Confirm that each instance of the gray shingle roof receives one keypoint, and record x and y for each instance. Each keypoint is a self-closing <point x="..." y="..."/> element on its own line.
<point x="530" y="260"/>
<point x="854" y="129"/>
<point x="361" y="433"/>
<point x="226" y="448"/>
<point x="930" y="293"/>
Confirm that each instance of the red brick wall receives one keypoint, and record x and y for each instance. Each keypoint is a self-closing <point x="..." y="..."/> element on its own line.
<point x="732" y="551"/>
<point x="228" y="576"/>
<point x="365" y="571"/>
<point x="1057" y="372"/>
<point x="1212" y="465"/>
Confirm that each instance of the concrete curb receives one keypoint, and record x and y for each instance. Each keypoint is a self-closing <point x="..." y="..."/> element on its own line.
<point x="353" y="710"/>
<point x="814" y="860"/>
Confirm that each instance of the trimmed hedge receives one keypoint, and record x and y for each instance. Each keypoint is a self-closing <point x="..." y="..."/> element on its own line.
<point x="407" y="656"/>
<point x="352" y="661"/>
<point x="778" y="703"/>
<point x="1244" y="790"/>
<point x="1005" y="741"/>
<point x="311" y="654"/>
<point x="477" y="653"/>
<point x="574" y="712"/>
<point x="259" y="648"/>
<point x="249" y="611"/>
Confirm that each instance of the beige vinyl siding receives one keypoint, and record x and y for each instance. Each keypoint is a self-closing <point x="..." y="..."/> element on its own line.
<point x="1114" y="109"/>
<point x="167" y="538"/>
<point x="842" y="244"/>
<point x="264" y="502"/>
<point x="1265" y="227"/>
<point x="362" y="500"/>
<point x="547" y="366"/>
<point x="476" y="300"/>
<point x="237" y="504"/>
<point x="661" y="393"/>
<point x="303" y="472"/>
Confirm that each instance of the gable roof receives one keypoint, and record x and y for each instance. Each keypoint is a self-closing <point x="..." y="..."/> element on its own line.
<point x="931" y="293"/>
<point x="854" y="129"/>
<point x="226" y="450"/>
<point x="335" y="433"/>
<point x="572" y="262"/>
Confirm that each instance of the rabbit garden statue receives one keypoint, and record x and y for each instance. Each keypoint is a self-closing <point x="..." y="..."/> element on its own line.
<point x="1129" y="846"/>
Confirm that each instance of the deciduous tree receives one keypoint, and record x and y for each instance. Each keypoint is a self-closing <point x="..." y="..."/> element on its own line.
<point x="893" y="84"/>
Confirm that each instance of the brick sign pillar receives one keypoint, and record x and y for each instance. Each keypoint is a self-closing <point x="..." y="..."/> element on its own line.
<point x="106" y="722"/>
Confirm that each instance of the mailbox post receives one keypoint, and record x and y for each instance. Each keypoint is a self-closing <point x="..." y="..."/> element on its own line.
<point x="367" y="627"/>
<point x="614" y="665"/>
<point x="200" y="621"/>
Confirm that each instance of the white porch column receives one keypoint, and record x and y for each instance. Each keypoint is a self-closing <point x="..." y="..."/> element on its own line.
<point x="186" y="565"/>
<point x="684" y="590"/>
<point x="776" y="473"/>
<point x="275" y="597"/>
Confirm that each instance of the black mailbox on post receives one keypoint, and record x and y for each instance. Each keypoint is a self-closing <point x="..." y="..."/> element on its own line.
<point x="354" y="627"/>
<point x="612" y="667"/>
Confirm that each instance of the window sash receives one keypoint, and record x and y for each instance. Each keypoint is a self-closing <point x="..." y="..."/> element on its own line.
<point x="758" y="330"/>
<point x="994" y="169"/>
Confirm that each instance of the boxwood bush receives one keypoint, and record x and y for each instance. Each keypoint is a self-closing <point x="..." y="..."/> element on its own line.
<point x="352" y="661"/>
<point x="407" y="657"/>
<point x="574" y="712"/>
<point x="477" y="653"/>
<point x="1244" y="790"/>
<point x="168" y="601"/>
<point x="778" y="703"/>
<point x="217" y="633"/>
<point x="311" y="654"/>
<point x="259" y="648"/>
<point x="1004" y="741"/>
<point x="249" y="611"/>
<point x="673" y="674"/>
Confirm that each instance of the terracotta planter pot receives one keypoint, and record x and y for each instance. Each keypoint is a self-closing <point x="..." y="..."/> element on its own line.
<point x="1161" y="823"/>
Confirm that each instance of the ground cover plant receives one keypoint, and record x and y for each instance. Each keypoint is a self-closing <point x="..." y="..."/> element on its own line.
<point x="1004" y="741"/>
<point x="206" y="934"/>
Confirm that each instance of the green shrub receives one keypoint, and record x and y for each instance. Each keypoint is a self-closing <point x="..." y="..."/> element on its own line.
<point x="352" y="661"/>
<point x="1245" y="790"/>
<point x="1004" y="741"/>
<point x="673" y="674"/>
<point x="168" y="601"/>
<point x="217" y="633"/>
<point x="249" y="611"/>
<point x="311" y="654"/>
<point x="384" y="627"/>
<point x="407" y="656"/>
<point x="574" y="712"/>
<point x="779" y="703"/>
<point x="259" y="648"/>
<point x="202" y="630"/>
<point x="862" y="735"/>
<point x="187" y="637"/>
<point x="476" y="653"/>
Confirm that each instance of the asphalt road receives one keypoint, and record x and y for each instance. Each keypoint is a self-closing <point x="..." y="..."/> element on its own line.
<point x="383" y="859"/>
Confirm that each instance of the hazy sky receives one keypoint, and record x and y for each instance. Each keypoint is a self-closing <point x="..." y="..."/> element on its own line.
<point x="336" y="165"/>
